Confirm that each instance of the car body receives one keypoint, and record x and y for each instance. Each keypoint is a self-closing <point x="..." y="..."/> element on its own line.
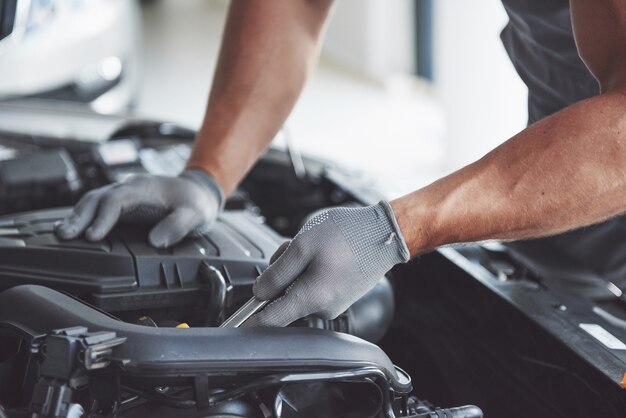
<point x="78" y="50"/>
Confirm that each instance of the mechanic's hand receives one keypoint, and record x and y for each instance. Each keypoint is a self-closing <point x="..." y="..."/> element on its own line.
<point x="333" y="261"/>
<point x="187" y="204"/>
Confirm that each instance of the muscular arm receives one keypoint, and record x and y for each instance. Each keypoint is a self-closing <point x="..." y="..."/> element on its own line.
<point x="269" y="47"/>
<point x="564" y="172"/>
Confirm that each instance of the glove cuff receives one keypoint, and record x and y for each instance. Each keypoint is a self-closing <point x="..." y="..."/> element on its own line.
<point x="373" y="235"/>
<point x="402" y="247"/>
<point x="207" y="181"/>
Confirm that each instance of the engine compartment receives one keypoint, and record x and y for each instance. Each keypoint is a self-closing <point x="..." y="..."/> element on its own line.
<point x="118" y="328"/>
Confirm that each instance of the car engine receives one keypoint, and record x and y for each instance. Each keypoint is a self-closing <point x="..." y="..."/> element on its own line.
<point x="117" y="328"/>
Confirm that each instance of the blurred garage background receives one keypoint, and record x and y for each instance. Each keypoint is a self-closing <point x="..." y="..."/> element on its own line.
<point x="406" y="91"/>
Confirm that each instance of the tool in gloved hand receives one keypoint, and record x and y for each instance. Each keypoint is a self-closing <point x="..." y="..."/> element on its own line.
<point x="337" y="257"/>
<point x="253" y="305"/>
<point x="248" y="309"/>
<point x="183" y="205"/>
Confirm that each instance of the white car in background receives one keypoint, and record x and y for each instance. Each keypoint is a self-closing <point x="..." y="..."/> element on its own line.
<point x="84" y="51"/>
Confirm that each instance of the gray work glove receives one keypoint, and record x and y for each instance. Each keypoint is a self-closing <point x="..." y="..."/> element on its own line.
<point x="183" y="205"/>
<point x="335" y="259"/>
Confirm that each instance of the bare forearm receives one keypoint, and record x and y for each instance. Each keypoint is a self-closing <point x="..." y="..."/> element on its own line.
<point x="564" y="172"/>
<point x="267" y="53"/>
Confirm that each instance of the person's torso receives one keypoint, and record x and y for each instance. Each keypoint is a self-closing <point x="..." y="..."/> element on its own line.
<point x="540" y="42"/>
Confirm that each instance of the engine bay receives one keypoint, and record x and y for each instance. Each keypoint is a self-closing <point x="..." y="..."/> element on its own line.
<point x="118" y="328"/>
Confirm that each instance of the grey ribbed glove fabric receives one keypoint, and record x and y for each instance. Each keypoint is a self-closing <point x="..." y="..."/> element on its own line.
<point x="183" y="205"/>
<point x="333" y="261"/>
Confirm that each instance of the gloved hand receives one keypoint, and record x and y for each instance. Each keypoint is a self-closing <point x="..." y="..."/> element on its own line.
<point x="332" y="262"/>
<point x="183" y="205"/>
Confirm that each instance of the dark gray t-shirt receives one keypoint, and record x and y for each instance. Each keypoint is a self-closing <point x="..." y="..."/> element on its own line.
<point x="540" y="43"/>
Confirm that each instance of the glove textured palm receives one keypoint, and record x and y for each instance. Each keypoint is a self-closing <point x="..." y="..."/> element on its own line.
<point x="183" y="205"/>
<point x="335" y="259"/>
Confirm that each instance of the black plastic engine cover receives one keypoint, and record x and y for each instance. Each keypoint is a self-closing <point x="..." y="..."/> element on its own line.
<point x="124" y="273"/>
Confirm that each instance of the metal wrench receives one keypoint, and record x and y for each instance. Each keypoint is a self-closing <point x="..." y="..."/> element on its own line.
<point x="248" y="309"/>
